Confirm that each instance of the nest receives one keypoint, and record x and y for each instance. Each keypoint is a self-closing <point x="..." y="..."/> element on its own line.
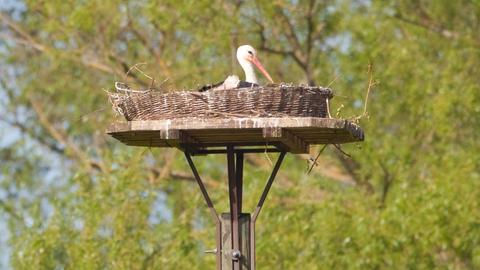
<point x="261" y="101"/>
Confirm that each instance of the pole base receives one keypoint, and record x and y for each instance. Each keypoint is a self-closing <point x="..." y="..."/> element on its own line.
<point x="228" y="254"/>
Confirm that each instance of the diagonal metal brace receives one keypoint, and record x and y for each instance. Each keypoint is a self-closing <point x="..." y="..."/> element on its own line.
<point x="259" y="207"/>
<point x="267" y="187"/>
<point x="202" y="187"/>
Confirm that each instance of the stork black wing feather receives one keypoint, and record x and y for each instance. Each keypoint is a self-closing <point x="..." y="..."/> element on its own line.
<point x="244" y="84"/>
<point x="241" y="84"/>
<point x="209" y="86"/>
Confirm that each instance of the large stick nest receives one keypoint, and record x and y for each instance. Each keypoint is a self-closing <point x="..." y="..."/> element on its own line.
<point x="261" y="101"/>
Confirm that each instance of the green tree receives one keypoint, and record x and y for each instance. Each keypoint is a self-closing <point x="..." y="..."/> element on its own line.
<point x="408" y="198"/>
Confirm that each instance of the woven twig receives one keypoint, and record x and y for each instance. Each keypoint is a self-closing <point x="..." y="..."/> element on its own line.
<point x="266" y="101"/>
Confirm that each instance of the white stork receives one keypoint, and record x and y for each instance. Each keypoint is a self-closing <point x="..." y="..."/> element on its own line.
<point x="247" y="58"/>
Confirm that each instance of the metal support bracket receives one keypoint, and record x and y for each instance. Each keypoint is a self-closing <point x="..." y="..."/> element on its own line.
<point x="235" y="160"/>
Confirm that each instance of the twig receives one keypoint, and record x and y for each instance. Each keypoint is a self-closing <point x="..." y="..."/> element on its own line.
<point x="163" y="82"/>
<point x="87" y="114"/>
<point x="334" y="79"/>
<point x="328" y="107"/>
<point x="139" y="70"/>
<point x="123" y="87"/>
<point x="316" y="158"/>
<point x="152" y="83"/>
<point x="228" y="114"/>
<point x="371" y="83"/>
<point x="268" y="157"/>
<point x="341" y="151"/>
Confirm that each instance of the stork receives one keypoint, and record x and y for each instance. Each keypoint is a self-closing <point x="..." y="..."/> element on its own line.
<point x="247" y="58"/>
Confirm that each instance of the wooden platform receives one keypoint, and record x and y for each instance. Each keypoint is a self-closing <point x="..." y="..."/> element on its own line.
<point x="199" y="135"/>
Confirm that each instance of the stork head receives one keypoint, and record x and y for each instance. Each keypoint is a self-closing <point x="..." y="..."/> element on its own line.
<point x="247" y="57"/>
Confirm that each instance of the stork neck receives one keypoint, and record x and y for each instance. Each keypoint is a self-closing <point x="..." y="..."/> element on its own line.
<point x="250" y="75"/>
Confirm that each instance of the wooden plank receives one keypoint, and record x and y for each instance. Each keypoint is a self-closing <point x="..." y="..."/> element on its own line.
<point x="296" y="144"/>
<point x="293" y="133"/>
<point x="169" y="134"/>
<point x="292" y="142"/>
<point x="180" y="139"/>
<point x="247" y="142"/>
<point x="232" y="123"/>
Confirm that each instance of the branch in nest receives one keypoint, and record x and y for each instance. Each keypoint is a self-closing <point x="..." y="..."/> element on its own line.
<point x="124" y="87"/>
<point x="371" y="84"/>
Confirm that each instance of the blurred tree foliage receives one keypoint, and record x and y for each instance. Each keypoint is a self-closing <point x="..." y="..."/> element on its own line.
<point x="409" y="198"/>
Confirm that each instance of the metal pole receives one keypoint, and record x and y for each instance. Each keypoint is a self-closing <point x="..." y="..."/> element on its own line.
<point x="233" y="196"/>
<point x="239" y="179"/>
<point x="212" y="210"/>
<point x="259" y="207"/>
<point x="253" y="264"/>
<point x="239" y="186"/>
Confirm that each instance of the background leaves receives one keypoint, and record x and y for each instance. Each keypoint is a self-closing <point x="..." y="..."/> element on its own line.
<point x="72" y="198"/>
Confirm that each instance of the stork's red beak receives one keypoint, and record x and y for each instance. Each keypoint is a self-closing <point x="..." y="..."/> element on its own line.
<point x="259" y="65"/>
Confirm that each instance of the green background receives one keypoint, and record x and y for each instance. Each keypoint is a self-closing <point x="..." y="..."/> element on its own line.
<point x="73" y="198"/>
